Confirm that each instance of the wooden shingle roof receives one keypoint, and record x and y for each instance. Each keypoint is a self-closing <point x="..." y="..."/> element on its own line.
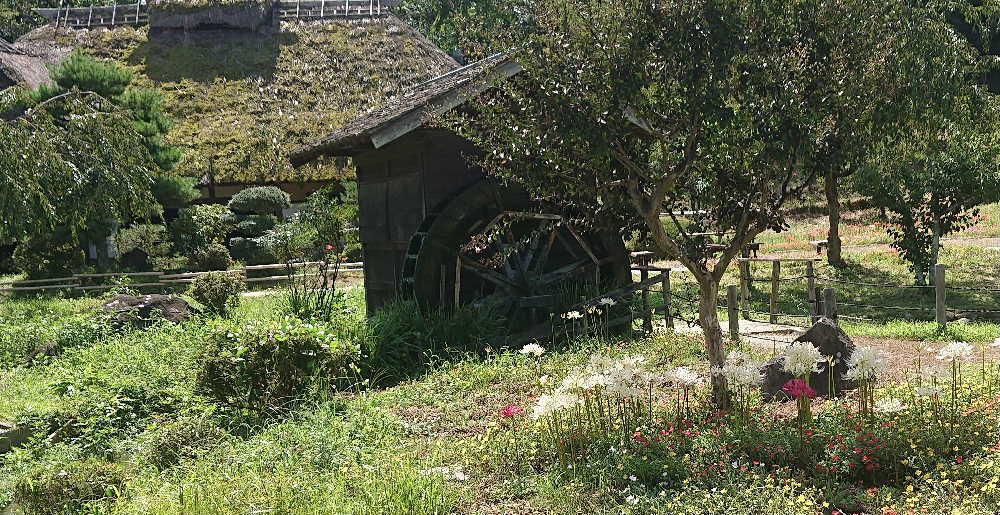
<point x="413" y="108"/>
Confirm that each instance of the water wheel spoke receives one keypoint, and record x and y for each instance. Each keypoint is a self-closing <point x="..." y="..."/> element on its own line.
<point x="583" y="244"/>
<point x="543" y="258"/>
<point x="488" y="274"/>
<point x="564" y="272"/>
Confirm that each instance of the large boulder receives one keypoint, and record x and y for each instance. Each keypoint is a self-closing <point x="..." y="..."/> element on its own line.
<point x="145" y="309"/>
<point x="826" y="336"/>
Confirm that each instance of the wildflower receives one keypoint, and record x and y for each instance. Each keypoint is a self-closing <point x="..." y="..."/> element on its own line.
<point x="532" y="349"/>
<point x="740" y="371"/>
<point x="865" y="364"/>
<point x="608" y="301"/>
<point x="996" y="343"/>
<point x="954" y="351"/>
<point x="572" y="315"/>
<point x="330" y="248"/>
<point x="801" y="358"/>
<point x="798" y="389"/>
<point x="684" y="377"/>
<point x="889" y="406"/>
<point x="929" y="391"/>
<point x="511" y="411"/>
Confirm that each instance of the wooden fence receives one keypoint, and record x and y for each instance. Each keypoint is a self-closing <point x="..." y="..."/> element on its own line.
<point x="138" y="13"/>
<point x="79" y="283"/>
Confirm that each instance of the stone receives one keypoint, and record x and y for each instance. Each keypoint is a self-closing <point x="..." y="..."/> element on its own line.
<point x="831" y="340"/>
<point x="143" y="310"/>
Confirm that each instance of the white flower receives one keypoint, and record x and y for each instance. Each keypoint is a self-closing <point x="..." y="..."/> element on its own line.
<point x="954" y="351"/>
<point x="801" y="358"/>
<point x="532" y="349"/>
<point x="607" y="301"/>
<point x="543" y="380"/>
<point x="929" y="391"/>
<point x="740" y="371"/>
<point x="456" y="473"/>
<point x="889" y="406"/>
<point x="684" y="377"/>
<point x="865" y="363"/>
<point x="572" y="315"/>
<point x="996" y="343"/>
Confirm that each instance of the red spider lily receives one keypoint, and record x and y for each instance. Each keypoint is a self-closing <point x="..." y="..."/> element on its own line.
<point x="639" y="438"/>
<point x="511" y="411"/>
<point x="798" y="388"/>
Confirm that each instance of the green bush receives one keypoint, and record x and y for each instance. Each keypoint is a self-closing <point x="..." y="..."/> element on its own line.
<point x="200" y="225"/>
<point x="54" y="255"/>
<point x="218" y="291"/>
<point x="175" y="191"/>
<point x="264" y="369"/>
<point x="70" y="488"/>
<point x="260" y="200"/>
<point x="250" y="226"/>
<point x="212" y="257"/>
<point x="251" y="251"/>
<point x="168" y="443"/>
<point x="139" y="244"/>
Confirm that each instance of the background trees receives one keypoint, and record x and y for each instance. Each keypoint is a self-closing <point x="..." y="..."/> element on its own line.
<point x="733" y="108"/>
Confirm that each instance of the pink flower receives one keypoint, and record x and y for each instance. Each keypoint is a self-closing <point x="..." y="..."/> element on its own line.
<point x="330" y="248"/>
<point x="798" y="389"/>
<point x="511" y="411"/>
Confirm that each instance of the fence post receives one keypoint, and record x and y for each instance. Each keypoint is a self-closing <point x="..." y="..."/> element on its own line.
<point x="647" y="319"/>
<point x="940" y="310"/>
<point x="734" y="315"/>
<point x="830" y="303"/>
<point x="811" y="286"/>
<point x="745" y="287"/>
<point x="668" y="316"/>
<point x="775" y="279"/>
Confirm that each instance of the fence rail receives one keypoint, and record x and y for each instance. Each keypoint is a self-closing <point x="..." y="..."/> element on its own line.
<point x="98" y="282"/>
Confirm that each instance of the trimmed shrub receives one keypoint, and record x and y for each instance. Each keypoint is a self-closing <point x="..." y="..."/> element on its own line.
<point x="219" y="292"/>
<point x="70" y="488"/>
<point x="264" y="369"/>
<point x="212" y="257"/>
<point x="251" y="251"/>
<point x="199" y="225"/>
<point x="260" y="200"/>
<point x="251" y="226"/>
<point x="139" y="243"/>
<point x="52" y="256"/>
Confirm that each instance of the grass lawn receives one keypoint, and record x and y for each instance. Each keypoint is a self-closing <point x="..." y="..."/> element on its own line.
<point x="125" y="425"/>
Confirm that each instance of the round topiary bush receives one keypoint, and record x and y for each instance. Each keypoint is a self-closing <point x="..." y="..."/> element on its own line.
<point x="251" y="226"/>
<point x="265" y="368"/>
<point x="211" y="257"/>
<point x="250" y="251"/>
<point x="219" y="292"/>
<point x="260" y="200"/>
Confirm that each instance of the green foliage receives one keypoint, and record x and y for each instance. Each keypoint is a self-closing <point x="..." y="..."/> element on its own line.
<point x="83" y="72"/>
<point x="173" y="191"/>
<point x="152" y="122"/>
<point x="401" y="341"/>
<point x="259" y="200"/>
<point x="175" y="440"/>
<point x="37" y="340"/>
<point x="71" y="488"/>
<point x="56" y="254"/>
<point x="214" y="256"/>
<point x="139" y="244"/>
<point x="199" y="225"/>
<point x="265" y="369"/>
<point x="218" y="291"/>
<point x="250" y="226"/>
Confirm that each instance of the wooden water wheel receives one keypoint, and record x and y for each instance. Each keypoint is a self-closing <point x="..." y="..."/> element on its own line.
<point x="490" y="247"/>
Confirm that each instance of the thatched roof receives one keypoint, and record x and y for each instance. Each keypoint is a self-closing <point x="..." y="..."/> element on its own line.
<point x="18" y="66"/>
<point x="242" y="99"/>
<point x="415" y="107"/>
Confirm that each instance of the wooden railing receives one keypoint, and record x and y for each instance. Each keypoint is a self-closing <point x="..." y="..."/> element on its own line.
<point x="154" y="280"/>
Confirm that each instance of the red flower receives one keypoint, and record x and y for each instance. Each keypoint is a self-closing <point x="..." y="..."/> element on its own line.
<point x="511" y="411"/>
<point x="639" y="438"/>
<point x="798" y="388"/>
<point x="959" y="460"/>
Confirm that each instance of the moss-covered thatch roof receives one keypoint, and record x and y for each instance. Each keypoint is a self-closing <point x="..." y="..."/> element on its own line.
<point x="241" y="100"/>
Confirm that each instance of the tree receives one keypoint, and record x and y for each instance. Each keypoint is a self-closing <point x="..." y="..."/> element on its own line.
<point x="647" y="109"/>
<point x="70" y="163"/>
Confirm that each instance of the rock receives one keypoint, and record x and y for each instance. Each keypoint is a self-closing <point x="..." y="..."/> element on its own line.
<point x="826" y="336"/>
<point x="143" y="310"/>
<point x="46" y="349"/>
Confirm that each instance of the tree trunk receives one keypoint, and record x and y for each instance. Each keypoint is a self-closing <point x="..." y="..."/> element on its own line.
<point x="935" y="247"/>
<point x="708" y="317"/>
<point x="833" y="250"/>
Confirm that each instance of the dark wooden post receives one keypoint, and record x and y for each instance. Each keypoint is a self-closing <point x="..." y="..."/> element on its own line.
<point x="668" y="316"/>
<point x="732" y="297"/>
<point x="647" y="318"/>
<point x="811" y="286"/>
<point x="940" y="309"/>
<point x="830" y="303"/>
<point x="775" y="279"/>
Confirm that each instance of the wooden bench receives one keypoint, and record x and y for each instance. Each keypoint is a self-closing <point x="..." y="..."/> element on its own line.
<point x="820" y="245"/>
